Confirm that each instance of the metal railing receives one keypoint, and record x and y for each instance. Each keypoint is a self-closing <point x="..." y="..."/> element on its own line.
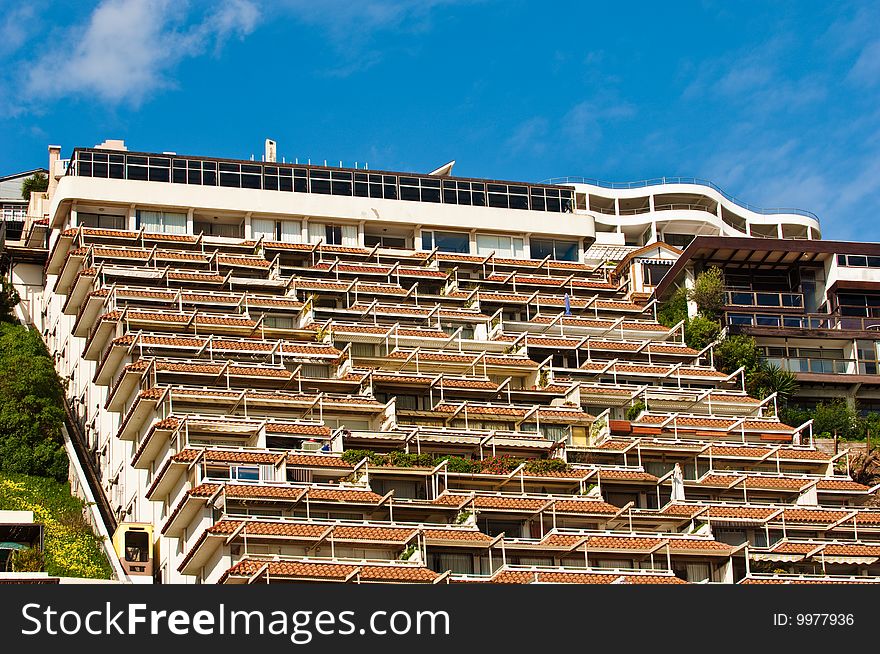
<point x="765" y="299"/>
<point x="660" y="181"/>
<point x="804" y="321"/>
<point x="820" y="366"/>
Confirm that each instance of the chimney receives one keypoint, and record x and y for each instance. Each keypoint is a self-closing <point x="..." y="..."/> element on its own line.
<point x="270" y="155"/>
<point x="54" y="168"/>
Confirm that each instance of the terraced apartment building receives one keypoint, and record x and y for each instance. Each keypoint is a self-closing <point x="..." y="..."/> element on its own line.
<point x="282" y="372"/>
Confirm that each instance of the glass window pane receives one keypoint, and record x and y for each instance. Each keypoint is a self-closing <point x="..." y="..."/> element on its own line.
<point x="455" y="242"/>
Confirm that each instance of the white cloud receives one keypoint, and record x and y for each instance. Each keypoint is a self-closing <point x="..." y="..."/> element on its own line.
<point x="866" y="70"/>
<point x="127" y="48"/>
<point x="15" y="27"/>
<point x="352" y="28"/>
<point x="529" y="136"/>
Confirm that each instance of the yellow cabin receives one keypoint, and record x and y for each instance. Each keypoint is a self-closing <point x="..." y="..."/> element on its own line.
<point x="133" y="542"/>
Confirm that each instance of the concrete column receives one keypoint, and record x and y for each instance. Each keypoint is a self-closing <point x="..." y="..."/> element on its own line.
<point x="689" y="280"/>
<point x="189" y="220"/>
<point x="54" y="156"/>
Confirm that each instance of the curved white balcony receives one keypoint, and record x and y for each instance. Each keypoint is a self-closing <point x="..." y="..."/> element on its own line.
<point x="683" y="206"/>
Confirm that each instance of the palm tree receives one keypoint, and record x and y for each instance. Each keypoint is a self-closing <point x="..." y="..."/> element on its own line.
<point x="769" y="378"/>
<point x="36" y="182"/>
<point x="864" y="468"/>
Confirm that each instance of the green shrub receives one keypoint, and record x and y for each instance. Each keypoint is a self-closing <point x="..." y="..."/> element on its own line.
<point x="708" y="292"/>
<point x="460" y="464"/>
<point x="735" y="352"/>
<point x="768" y="378"/>
<point x="70" y="548"/>
<point x="700" y="331"/>
<point x="540" y="466"/>
<point x="31" y="406"/>
<point x="635" y="410"/>
<point x="674" y="310"/>
<point x="29" y="560"/>
<point x="353" y="457"/>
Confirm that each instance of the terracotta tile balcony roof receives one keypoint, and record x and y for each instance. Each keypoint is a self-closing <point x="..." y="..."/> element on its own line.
<point x="268" y="492"/>
<point x="332" y="571"/>
<point x="308" y="247"/>
<point x="442" y="357"/>
<point x="527" y="503"/>
<point x="514" y="576"/>
<point x="132" y="235"/>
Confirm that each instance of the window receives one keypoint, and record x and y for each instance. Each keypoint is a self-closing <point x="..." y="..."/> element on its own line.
<point x="265" y="229"/>
<point x="455" y="242"/>
<point x="419" y="189"/>
<point x="551" y="199"/>
<point x="290" y="231"/>
<point x="467" y="193"/>
<point x="245" y="473"/>
<point x="371" y="240"/>
<point x="678" y="240"/>
<point x="556" y="249"/>
<point x="653" y="272"/>
<point x="161" y="221"/>
<point x="101" y="221"/>
<point x="213" y="228"/>
<point x="333" y="235"/>
<point x="502" y="246"/>
<point x="14" y="211"/>
<point x="371" y="185"/>
<point x="739" y="319"/>
<point x="330" y="182"/>
<point x="858" y="261"/>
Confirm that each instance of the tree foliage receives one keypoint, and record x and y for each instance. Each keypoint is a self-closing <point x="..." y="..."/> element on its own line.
<point x="735" y="352"/>
<point x="37" y="182"/>
<point x="835" y="417"/>
<point x="700" y="331"/>
<point x="708" y="292"/>
<point x="674" y="310"/>
<point x="9" y="298"/>
<point x="769" y="378"/>
<point x="31" y="401"/>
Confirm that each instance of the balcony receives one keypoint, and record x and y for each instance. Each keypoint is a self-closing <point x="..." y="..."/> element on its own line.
<point x="804" y="321"/>
<point x="820" y="366"/>
<point x="770" y="299"/>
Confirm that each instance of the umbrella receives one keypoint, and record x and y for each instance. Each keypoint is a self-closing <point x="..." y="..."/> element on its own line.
<point x="677" y="484"/>
<point x="567" y="305"/>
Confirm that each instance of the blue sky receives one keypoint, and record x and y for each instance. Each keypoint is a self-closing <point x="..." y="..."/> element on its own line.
<point x="777" y="103"/>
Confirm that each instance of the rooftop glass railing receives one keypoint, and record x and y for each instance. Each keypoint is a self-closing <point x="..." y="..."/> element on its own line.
<point x="660" y="181"/>
<point x="304" y="178"/>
